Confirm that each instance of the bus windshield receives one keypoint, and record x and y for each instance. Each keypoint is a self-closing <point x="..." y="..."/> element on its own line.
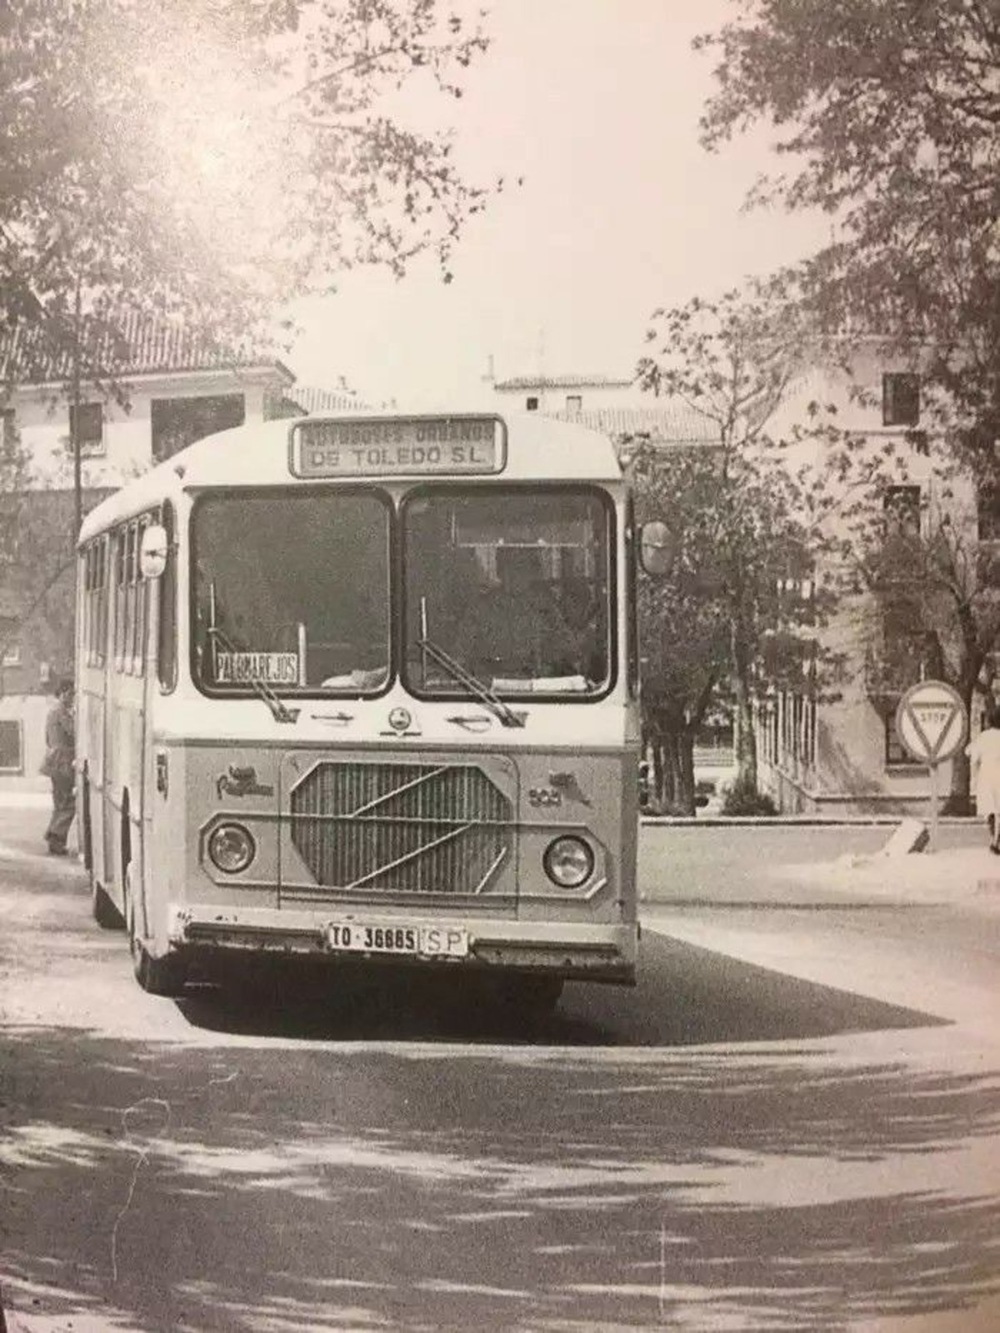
<point x="291" y="591"/>
<point x="508" y="586"/>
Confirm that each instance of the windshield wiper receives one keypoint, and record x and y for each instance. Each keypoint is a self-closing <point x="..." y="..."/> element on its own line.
<point x="472" y="683"/>
<point x="279" y="710"/>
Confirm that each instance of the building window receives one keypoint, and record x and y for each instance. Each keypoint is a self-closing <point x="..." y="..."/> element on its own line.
<point x="988" y="511"/>
<point x="901" y="506"/>
<point x="166" y="630"/>
<point x="900" y="399"/>
<point x="11" y="746"/>
<point x="10" y="644"/>
<point x="532" y="404"/>
<point x="574" y="403"/>
<point x="177" y="422"/>
<point x="86" y="427"/>
<point x="95" y="603"/>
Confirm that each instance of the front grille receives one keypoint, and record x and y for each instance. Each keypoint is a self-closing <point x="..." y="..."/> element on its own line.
<point x="401" y="828"/>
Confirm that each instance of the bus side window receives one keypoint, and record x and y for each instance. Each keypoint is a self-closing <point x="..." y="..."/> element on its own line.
<point x="166" y="629"/>
<point x="631" y="600"/>
<point x="119" y="628"/>
<point x="140" y="602"/>
<point x="103" y="596"/>
<point x="86" y="630"/>
<point x="128" y="649"/>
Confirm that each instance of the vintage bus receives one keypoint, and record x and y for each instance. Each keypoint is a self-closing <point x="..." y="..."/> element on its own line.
<point x="366" y="688"/>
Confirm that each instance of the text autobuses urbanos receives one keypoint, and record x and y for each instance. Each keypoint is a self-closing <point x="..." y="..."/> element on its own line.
<point x="399" y="445"/>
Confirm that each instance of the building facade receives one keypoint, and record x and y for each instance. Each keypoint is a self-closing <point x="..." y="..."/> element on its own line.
<point x="833" y="749"/>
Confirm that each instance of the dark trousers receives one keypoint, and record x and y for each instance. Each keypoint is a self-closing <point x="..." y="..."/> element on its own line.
<point x="63" y="809"/>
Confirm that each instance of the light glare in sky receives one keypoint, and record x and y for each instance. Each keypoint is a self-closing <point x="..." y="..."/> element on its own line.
<point x="595" y="105"/>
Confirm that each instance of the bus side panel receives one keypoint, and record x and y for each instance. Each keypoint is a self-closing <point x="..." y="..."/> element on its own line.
<point x="123" y="788"/>
<point x="91" y="733"/>
<point x="90" y="756"/>
<point x="164" y="835"/>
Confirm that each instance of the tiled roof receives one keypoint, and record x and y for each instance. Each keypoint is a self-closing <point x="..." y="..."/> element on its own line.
<point x="671" y="423"/>
<point x="144" y="346"/>
<point x="313" y="400"/>
<point x="563" y="382"/>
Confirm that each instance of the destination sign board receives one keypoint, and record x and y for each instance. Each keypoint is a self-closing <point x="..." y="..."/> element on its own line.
<point x="398" y="446"/>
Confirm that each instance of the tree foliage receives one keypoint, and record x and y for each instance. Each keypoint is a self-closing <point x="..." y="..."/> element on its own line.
<point x="683" y="633"/>
<point x="737" y="613"/>
<point x="886" y="116"/>
<point x="216" y="160"/>
<point x="208" y="163"/>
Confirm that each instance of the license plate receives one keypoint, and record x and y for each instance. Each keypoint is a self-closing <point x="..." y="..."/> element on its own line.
<point x="402" y="938"/>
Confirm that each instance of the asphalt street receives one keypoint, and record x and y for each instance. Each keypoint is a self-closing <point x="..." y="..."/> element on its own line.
<point x="789" y="1123"/>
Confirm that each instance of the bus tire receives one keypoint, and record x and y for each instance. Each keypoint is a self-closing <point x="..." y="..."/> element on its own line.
<point x="535" y="996"/>
<point x="87" y="850"/>
<point x="526" y="998"/>
<point x="105" y="913"/>
<point x="156" y="976"/>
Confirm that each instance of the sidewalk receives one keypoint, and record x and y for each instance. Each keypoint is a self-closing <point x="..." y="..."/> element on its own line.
<point x="37" y="796"/>
<point x="950" y="877"/>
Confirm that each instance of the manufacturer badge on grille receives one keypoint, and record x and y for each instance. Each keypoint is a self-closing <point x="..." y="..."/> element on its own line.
<point x="400" y="719"/>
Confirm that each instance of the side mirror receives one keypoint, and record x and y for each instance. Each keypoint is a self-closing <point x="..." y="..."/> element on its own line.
<point x="153" y="551"/>
<point x="656" y="548"/>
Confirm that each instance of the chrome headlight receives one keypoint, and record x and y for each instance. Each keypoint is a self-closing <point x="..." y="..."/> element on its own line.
<point x="568" y="862"/>
<point x="231" y="848"/>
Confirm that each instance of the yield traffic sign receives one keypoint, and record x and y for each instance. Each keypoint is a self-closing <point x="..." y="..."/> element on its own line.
<point x="930" y="721"/>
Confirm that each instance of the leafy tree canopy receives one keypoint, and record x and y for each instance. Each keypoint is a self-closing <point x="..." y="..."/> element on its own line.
<point x="215" y="160"/>
<point x="747" y="518"/>
<point x="886" y="114"/>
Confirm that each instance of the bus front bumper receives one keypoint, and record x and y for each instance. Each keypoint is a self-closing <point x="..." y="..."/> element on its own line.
<point x="565" y="949"/>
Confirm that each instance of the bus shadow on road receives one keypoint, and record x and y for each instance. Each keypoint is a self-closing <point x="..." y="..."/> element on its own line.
<point x="685" y="996"/>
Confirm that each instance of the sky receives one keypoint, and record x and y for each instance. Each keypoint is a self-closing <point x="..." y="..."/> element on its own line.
<point x="595" y="105"/>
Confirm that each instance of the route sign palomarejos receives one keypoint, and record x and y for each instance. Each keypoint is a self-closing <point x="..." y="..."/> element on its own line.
<point x="931" y="722"/>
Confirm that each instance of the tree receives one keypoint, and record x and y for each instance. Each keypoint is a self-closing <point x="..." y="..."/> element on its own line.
<point x="37" y="553"/>
<point x="210" y="163"/>
<point x="744" y="518"/>
<point x="887" y="114"/>
<point x="216" y="161"/>
<point x="683" y="633"/>
<point x="13" y="479"/>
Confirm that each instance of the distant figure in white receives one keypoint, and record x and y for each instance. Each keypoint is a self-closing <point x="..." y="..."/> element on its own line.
<point x="984" y="755"/>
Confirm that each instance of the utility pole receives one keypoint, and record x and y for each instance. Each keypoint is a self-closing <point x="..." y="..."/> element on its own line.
<point x="74" y="420"/>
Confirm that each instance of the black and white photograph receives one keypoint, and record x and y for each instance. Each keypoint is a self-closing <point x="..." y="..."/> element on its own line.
<point x="499" y="666"/>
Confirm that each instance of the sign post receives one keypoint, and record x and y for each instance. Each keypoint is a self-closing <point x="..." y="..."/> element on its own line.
<point x="931" y="725"/>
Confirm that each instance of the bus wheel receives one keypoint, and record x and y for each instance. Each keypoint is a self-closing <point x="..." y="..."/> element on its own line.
<point x="158" y="976"/>
<point x="106" y="914"/>
<point x="528" y="997"/>
<point x="537" y="995"/>
<point x="86" y="833"/>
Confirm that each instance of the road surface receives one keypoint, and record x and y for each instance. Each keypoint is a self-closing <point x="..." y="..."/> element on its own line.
<point x="790" y="1123"/>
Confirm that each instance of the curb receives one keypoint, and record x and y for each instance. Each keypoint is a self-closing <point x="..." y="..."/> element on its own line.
<point x="797" y="821"/>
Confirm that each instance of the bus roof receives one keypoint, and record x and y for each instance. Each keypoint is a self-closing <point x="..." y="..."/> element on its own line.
<point x="538" y="448"/>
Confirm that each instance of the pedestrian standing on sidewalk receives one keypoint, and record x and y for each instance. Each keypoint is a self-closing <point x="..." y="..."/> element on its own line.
<point x="60" y="753"/>
<point x="984" y="756"/>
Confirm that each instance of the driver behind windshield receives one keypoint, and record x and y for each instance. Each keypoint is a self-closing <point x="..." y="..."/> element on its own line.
<point x="514" y="627"/>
